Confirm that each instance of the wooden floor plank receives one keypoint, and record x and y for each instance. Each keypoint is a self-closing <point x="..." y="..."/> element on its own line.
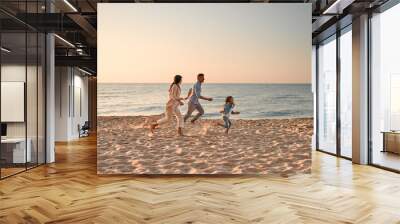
<point x="70" y="191"/>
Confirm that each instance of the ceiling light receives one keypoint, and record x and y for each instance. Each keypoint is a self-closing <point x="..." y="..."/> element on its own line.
<point x="5" y="50"/>
<point x="79" y="51"/>
<point x="338" y="6"/>
<point x="84" y="71"/>
<point x="64" y="40"/>
<point x="70" y="5"/>
<point x="331" y="7"/>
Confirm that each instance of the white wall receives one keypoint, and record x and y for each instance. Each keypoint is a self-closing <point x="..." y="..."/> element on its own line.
<point x="13" y="73"/>
<point x="62" y="83"/>
<point x="71" y="87"/>
<point x="79" y="112"/>
<point x="33" y="127"/>
<point x="16" y="73"/>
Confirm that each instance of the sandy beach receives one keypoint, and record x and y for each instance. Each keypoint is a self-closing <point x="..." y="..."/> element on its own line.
<point x="266" y="146"/>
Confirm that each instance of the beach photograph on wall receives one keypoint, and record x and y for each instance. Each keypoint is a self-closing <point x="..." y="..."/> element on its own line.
<point x="204" y="89"/>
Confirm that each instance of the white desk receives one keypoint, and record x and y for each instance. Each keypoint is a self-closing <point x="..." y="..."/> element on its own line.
<point x="18" y="144"/>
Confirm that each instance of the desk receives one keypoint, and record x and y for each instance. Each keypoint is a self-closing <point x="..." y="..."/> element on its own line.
<point x="18" y="150"/>
<point x="391" y="141"/>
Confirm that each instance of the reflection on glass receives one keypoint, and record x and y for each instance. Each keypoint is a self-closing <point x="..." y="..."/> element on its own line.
<point x="394" y="102"/>
<point x="346" y="94"/>
<point x="14" y="153"/>
<point x="327" y="96"/>
<point x="385" y="92"/>
<point x="22" y="91"/>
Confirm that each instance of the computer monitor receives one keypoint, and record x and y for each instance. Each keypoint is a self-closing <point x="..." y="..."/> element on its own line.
<point x="3" y="129"/>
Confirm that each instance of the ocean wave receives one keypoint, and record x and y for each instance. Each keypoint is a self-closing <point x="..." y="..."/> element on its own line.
<point x="149" y="108"/>
<point x="286" y="97"/>
<point x="285" y="113"/>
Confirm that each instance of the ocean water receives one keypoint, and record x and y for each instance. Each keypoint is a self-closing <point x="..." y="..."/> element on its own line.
<point x="254" y="101"/>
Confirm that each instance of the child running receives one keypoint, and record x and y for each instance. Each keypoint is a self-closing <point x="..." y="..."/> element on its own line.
<point x="226" y="112"/>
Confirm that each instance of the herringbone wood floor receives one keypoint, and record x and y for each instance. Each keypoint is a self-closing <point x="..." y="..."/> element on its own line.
<point x="69" y="191"/>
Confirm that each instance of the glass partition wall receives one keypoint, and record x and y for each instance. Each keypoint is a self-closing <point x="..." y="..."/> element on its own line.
<point x="22" y="107"/>
<point x="385" y="89"/>
<point x="334" y="83"/>
<point x="13" y="87"/>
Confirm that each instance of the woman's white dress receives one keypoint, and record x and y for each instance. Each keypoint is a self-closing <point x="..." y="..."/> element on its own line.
<point x="172" y="107"/>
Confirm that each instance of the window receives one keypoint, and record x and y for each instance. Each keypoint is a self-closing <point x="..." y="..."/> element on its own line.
<point x="385" y="89"/>
<point x="346" y="93"/>
<point x="327" y="95"/>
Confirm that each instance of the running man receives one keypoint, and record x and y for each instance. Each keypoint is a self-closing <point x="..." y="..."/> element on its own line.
<point x="194" y="103"/>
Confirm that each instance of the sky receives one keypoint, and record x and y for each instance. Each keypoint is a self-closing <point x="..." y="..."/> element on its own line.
<point x="229" y="43"/>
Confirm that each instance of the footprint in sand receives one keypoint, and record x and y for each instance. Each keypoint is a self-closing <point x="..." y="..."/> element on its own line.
<point x="139" y="126"/>
<point x="178" y="151"/>
<point x="206" y="127"/>
<point x="193" y="171"/>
